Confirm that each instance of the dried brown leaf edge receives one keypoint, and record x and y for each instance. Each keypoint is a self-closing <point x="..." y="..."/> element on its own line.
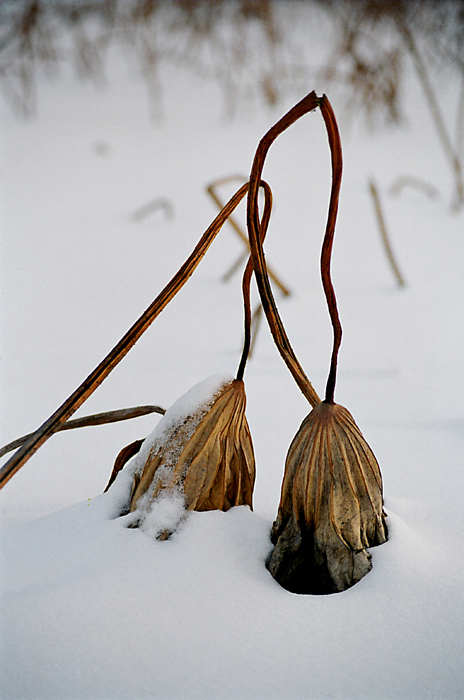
<point x="331" y="506"/>
<point x="216" y="466"/>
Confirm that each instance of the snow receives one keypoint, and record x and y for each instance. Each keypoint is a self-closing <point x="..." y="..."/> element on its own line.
<point x="168" y="510"/>
<point x="91" y="608"/>
<point x="194" y="403"/>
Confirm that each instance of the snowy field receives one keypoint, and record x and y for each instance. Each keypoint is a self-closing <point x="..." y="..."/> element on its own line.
<point x="92" y="609"/>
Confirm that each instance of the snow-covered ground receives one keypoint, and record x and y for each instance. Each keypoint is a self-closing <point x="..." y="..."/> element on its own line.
<point x="92" y="609"/>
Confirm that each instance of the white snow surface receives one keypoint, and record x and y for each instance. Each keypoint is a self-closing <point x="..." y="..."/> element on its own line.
<point x="91" y="609"/>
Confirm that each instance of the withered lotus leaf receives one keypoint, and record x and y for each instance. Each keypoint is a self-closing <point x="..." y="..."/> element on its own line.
<point x="331" y="506"/>
<point x="209" y="458"/>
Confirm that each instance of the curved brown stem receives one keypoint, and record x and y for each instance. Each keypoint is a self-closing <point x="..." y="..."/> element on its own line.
<point x="93" y="420"/>
<point x="326" y="253"/>
<point x="308" y="104"/>
<point x="211" y="189"/>
<point x="100" y="373"/>
<point x="247" y="279"/>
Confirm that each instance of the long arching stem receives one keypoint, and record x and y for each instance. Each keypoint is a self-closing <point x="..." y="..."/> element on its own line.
<point x="308" y="104"/>
<point x="88" y="386"/>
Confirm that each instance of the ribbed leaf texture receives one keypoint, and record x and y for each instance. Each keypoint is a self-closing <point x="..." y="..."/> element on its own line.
<point x="210" y="459"/>
<point x="331" y="506"/>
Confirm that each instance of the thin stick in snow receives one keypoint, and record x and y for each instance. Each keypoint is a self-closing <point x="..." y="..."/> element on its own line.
<point x="94" y="419"/>
<point x="384" y="234"/>
<point x="99" y="374"/>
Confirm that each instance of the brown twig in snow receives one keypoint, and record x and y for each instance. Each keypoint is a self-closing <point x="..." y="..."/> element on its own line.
<point x="384" y="233"/>
<point x="93" y="420"/>
<point x="326" y="253"/>
<point x="264" y="223"/>
<point x="93" y="381"/>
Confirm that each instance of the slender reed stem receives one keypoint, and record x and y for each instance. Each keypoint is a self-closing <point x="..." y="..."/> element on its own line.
<point x="255" y="325"/>
<point x="88" y="386"/>
<point x="211" y="189"/>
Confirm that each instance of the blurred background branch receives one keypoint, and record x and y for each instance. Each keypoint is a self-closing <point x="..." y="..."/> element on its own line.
<point x="250" y="47"/>
<point x="255" y="50"/>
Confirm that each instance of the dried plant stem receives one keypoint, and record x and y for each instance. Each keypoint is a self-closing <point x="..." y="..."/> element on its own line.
<point x="151" y="207"/>
<point x="211" y="189"/>
<point x="82" y="393"/>
<point x="326" y="253"/>
<point x="308" y="104"/>
<point x="435" y="111"/>
<point x="384" y="233"/>
<point x="93" y="420"/>
<point x="247" y="280"/>
<point x="416" y="182"/>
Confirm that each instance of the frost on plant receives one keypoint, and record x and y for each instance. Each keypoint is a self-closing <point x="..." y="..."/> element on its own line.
<point x="200" y="453"/>
<point x="200" y="457"/>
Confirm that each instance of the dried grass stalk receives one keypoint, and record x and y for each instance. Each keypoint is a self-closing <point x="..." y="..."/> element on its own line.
<point x="331" y="506"/>
<point x="211" y="189"/>
<point x="214" y="467"/>
<point x="384" y="232"/>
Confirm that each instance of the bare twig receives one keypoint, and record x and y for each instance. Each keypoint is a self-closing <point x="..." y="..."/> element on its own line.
<point x="384" y="233"/>
<point x="326" y="253"/>
<point x="236" y="266"/>
<point x="255" y="326"/>
<point x="264" y="223"/>
<point x="211" y="189"/>
<point x="87" y="421"/>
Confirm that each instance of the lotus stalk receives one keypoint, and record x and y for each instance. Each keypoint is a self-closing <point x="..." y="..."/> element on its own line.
<point x="331" y="506"/>
<point x="207" y="457"/>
